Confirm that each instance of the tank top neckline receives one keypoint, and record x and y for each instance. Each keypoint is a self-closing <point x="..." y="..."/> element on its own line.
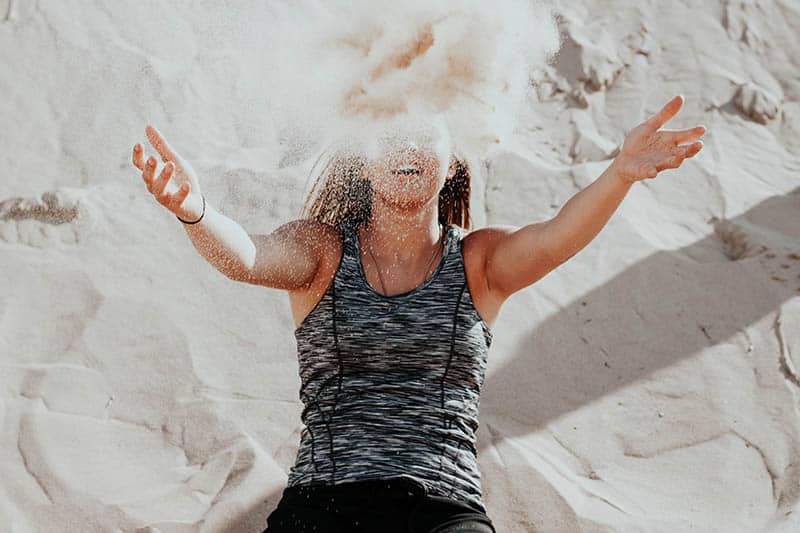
<point x="363" y="277"/>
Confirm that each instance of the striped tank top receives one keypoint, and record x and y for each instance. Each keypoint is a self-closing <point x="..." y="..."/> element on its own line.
<point x="391" y="384"/>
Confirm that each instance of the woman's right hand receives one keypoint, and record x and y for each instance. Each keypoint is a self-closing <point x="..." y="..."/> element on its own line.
<point x="187" y="202"/>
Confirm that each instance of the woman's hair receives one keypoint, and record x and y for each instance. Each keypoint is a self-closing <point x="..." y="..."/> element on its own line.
<point x="346" y="196"/>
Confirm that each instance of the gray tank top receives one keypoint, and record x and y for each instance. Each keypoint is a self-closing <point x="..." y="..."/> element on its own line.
<point x="391" y="384"/>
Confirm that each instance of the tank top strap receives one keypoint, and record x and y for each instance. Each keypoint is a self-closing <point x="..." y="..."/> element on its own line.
<point x="349" y="235"/>
<point x="454" y="236"/>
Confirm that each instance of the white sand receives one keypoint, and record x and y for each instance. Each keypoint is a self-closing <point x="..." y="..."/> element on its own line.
<point x="650" y="384"/>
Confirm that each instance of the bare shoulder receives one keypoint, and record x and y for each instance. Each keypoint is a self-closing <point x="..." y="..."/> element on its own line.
<point x="291" y="256"/>
<point x="326" y="241"/>
<point x="479" y="242"/>
<point x="317" y="239"/>
<point x="309" y="231"/>
<point x="318" y="233"/>
<point x="476" y="248"/>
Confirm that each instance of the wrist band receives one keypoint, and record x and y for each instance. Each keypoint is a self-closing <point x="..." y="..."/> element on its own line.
<point x="201" y="214"/>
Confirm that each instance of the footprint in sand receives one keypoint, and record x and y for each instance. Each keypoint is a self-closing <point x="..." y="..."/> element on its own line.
<point x="757" y="103"/>
<point x="784" y="267"/>
<point x="738" y="244"/>
<point x="58" y="216"/>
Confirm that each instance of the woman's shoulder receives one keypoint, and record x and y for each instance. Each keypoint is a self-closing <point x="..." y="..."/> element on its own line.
<point x="475" y="242"/>
<point x="325" y="238"/>
<point x="320" y="230"/>
<point x="487" y="235"/>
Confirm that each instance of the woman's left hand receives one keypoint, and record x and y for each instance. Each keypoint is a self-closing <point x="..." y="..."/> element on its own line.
<point x="646" y="151"/>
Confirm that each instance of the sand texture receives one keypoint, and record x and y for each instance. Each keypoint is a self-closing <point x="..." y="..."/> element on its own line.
<point x="649" y="384"/>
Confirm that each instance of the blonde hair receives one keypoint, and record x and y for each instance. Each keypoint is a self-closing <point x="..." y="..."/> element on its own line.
<point x="344" y="195"/>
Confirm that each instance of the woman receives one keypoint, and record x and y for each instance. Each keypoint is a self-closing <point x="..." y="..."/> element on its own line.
<point x="394" y="303"/>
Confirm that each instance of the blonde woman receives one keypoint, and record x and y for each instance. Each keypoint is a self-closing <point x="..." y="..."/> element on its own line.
<point x="394" y="301"/>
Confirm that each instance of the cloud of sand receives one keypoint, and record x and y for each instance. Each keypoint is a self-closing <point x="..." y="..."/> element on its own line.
<point x="335" y="67"/>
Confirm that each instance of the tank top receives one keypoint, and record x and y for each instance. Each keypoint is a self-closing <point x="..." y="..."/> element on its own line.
<point x="391" y="384"/>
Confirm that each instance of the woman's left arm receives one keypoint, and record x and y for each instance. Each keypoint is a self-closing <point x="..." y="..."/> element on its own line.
<point x="515" y="258"/>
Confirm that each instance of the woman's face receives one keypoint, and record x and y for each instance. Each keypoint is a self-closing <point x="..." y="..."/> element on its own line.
<point x="408" y="161"/>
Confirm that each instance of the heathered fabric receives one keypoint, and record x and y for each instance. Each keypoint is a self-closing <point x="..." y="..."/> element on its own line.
<point x="391" y="384"/>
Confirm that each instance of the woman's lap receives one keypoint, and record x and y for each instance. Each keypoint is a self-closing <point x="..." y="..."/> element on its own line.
<point x="390" y="506"/>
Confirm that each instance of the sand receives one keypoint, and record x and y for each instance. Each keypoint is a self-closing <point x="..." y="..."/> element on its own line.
<point x="649" y="384"/>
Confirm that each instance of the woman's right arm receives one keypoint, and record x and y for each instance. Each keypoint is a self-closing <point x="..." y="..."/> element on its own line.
<point x="287" y="258"/>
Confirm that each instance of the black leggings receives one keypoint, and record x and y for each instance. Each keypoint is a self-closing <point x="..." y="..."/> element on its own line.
<point x="398" y="505"/>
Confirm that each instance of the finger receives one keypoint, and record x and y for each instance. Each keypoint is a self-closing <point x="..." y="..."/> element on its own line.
<point x="160" y="144"/>
<point x="137" y="156"/>
<point x="683" y="136"/>
<point x="672" y="159"/>
<point x="178" y="198"/>
<point x="679" y="154"/>
<point x="667" y="112"/>
<point x="147" y="174"/>
<point x="161" y="183"/>
<point x="672" y="162"/>
<point x="166" y="200"/>
<point x="690" y="150"/>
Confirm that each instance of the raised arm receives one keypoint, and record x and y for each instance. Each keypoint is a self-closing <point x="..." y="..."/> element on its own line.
<point x="516" y="258"/>
<point x="289" y="257"/>
<point x="286" y="258"/>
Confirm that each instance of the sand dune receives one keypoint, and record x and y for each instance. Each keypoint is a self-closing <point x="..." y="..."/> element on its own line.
<point x="648" y="384"/>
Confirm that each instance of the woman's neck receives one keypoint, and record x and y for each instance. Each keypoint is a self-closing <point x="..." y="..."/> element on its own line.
<point x="399" y="237"/>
